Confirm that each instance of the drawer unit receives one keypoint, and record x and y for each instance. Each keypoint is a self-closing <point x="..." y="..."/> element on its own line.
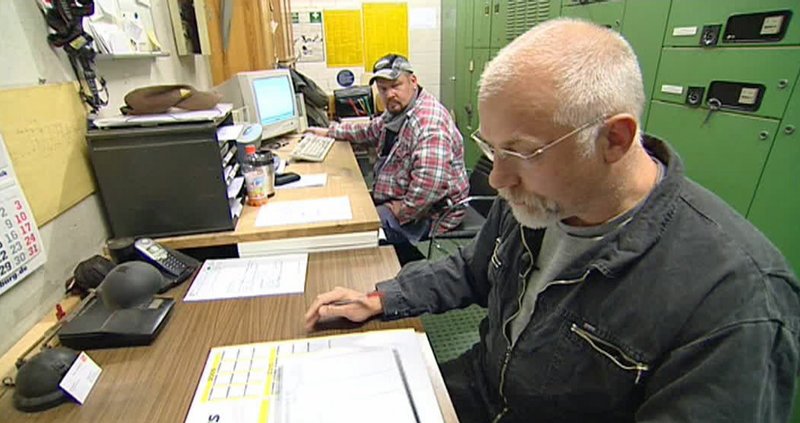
<point x="165" y="180"/>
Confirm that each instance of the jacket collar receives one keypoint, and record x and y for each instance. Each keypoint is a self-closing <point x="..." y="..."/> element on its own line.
<point x="641" y="233"/>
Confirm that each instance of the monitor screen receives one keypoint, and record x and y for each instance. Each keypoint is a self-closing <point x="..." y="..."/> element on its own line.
<point x="274" y="98"/>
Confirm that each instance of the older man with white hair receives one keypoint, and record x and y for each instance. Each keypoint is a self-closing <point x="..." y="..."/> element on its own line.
<point x="617" y="289"/>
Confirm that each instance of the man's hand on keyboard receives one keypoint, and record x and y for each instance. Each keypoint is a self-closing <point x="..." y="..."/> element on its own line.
<point x="321" y="132"/>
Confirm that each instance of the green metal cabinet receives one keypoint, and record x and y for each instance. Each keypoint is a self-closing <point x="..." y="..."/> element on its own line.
<point x="480" y="57"/>
<point x="499" y="19"/>
<point x="447" y="54"/>
<point x="607" y="13"/>
<point x="692" y="21"/>
<point x="482" y="24"/>
<point x="522" y="15"/>
<point x="643" y="26"/>
<point x="776" y="205"/>
<point x="775" y="68"/>
<point x="724" y="154"/>
<point x="463" y="58"/>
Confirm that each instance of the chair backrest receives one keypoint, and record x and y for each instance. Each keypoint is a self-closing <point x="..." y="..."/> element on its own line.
<point x="479" y="185"/>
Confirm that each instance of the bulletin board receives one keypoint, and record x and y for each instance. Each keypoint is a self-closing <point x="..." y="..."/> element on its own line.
<point x="344" y="41"/>
<point x="385" y="31"/>
<point x="44" y="129"/>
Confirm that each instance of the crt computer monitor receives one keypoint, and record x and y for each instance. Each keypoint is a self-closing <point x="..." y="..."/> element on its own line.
<point x="269" y="98"/>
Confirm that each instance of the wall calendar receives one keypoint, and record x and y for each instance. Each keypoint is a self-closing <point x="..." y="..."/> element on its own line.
<point x="21" y="249"/>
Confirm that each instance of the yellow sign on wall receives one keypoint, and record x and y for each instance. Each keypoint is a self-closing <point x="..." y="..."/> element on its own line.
<point x="344" y="41"/>
<point x="385" y="31"/>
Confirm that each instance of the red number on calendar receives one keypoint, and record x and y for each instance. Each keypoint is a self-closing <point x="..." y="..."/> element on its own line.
<point x="18" y="204"/>
<point x="26" y="228"/>
<point x="30" y="239"/>
<point x="21" y="217"/>
<point x="33" y="250"/>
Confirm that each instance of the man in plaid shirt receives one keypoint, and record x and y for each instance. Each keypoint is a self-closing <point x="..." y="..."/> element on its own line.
<point x="420" y="166"/>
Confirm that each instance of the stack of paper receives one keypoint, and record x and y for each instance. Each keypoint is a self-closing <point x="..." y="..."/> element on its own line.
<point x="377" y="376"/>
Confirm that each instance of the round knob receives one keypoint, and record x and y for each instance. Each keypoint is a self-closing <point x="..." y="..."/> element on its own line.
<point x="789" y="129"/>
<point x="763" y="135"/>
<point x="783" y="83"/>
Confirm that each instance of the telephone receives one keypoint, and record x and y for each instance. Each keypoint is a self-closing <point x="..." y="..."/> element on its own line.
<point x="175" y="267"/>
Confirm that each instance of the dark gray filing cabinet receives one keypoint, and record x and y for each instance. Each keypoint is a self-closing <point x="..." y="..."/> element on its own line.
<point x="164" y="180"/>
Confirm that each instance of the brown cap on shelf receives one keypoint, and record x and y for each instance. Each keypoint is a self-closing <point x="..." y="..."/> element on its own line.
<point x="160" y="98"/>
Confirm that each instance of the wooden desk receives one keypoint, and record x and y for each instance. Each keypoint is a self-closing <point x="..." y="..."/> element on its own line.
<point x="344" y="179"/>
<point x="157" y="383"/>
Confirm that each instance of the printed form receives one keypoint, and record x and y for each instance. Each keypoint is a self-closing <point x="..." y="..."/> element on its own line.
<point x="253" y="277"/>
<point x="354" y="378"/>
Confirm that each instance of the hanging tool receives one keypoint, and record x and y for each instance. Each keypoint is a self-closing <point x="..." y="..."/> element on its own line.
<point x="65" y="18"/>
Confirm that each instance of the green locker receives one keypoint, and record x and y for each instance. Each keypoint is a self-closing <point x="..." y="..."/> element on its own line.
<point x="769" y="73"/>
<point x="499" y="19"/>
<point x="482" y="24"/>
<point x="725" y="154"/>
<point x="447" y="55"/>
<point x="776" y="205"/>
<point x="606" y="13"/>
<point x="480" y="56"/>
<point x="463" y="74"/>
<point x="643" y="26"/>
<point x="522" y="15"/>
<point x="732" y="23"/>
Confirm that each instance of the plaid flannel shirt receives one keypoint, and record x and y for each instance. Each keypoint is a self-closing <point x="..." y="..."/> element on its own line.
<point x="425" y="167"/>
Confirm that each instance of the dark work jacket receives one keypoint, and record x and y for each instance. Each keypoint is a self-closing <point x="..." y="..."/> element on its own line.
<point x="688" y="314"/>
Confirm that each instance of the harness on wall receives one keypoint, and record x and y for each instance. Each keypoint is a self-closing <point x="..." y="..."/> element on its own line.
<point x="65" y="18"/>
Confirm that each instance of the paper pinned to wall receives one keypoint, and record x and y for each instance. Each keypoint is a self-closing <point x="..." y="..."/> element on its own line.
<point x="344" y="41"/>
<point x="44" y="129"/>
<point x="309" y="39"/>
<point x="423" y="18"/>
<point x="380" y="42"/>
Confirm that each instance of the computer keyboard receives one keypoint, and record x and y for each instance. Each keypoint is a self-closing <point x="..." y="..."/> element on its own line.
<point x="312" y="148"/>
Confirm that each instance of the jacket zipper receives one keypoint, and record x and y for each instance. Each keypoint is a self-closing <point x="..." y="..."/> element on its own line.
<point x="524" y="275"/>
<point x="630" y="364"/>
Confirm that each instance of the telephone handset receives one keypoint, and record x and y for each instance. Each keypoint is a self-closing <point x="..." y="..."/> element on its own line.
<point x="159" y="256"/>
<point x="175" y="267"/>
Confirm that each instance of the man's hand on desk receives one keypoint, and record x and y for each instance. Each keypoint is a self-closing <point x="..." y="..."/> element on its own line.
<point x="343" y="302"/>
<point x="320" y="132"/>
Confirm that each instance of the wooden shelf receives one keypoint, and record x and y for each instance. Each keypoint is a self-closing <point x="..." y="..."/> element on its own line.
<point x="103" y="56"/>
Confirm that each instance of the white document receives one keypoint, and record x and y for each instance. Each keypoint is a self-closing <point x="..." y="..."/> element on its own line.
<point x="307" y="181"/>
<point x="345" y="385"/>
<point x="304" y="211"/>
<point x="229" y="132"/>
<point x="241" y="383"/>
<point x="422" y="18"/>
<point x="80" y="377"/>
<point x="235" y="186"/>
<point x="238" y="278"/>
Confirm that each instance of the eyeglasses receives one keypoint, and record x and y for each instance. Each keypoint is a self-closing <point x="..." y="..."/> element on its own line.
<point x="503" y="153"/>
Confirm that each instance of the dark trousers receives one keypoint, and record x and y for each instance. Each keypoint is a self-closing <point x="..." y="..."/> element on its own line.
<point x="462" y="384"/>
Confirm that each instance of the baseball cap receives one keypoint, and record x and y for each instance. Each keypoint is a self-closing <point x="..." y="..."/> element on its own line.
<point x="390" y="67"/>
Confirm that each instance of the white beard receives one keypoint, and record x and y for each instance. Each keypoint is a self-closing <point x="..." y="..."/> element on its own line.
<point x="534" y="211"/>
